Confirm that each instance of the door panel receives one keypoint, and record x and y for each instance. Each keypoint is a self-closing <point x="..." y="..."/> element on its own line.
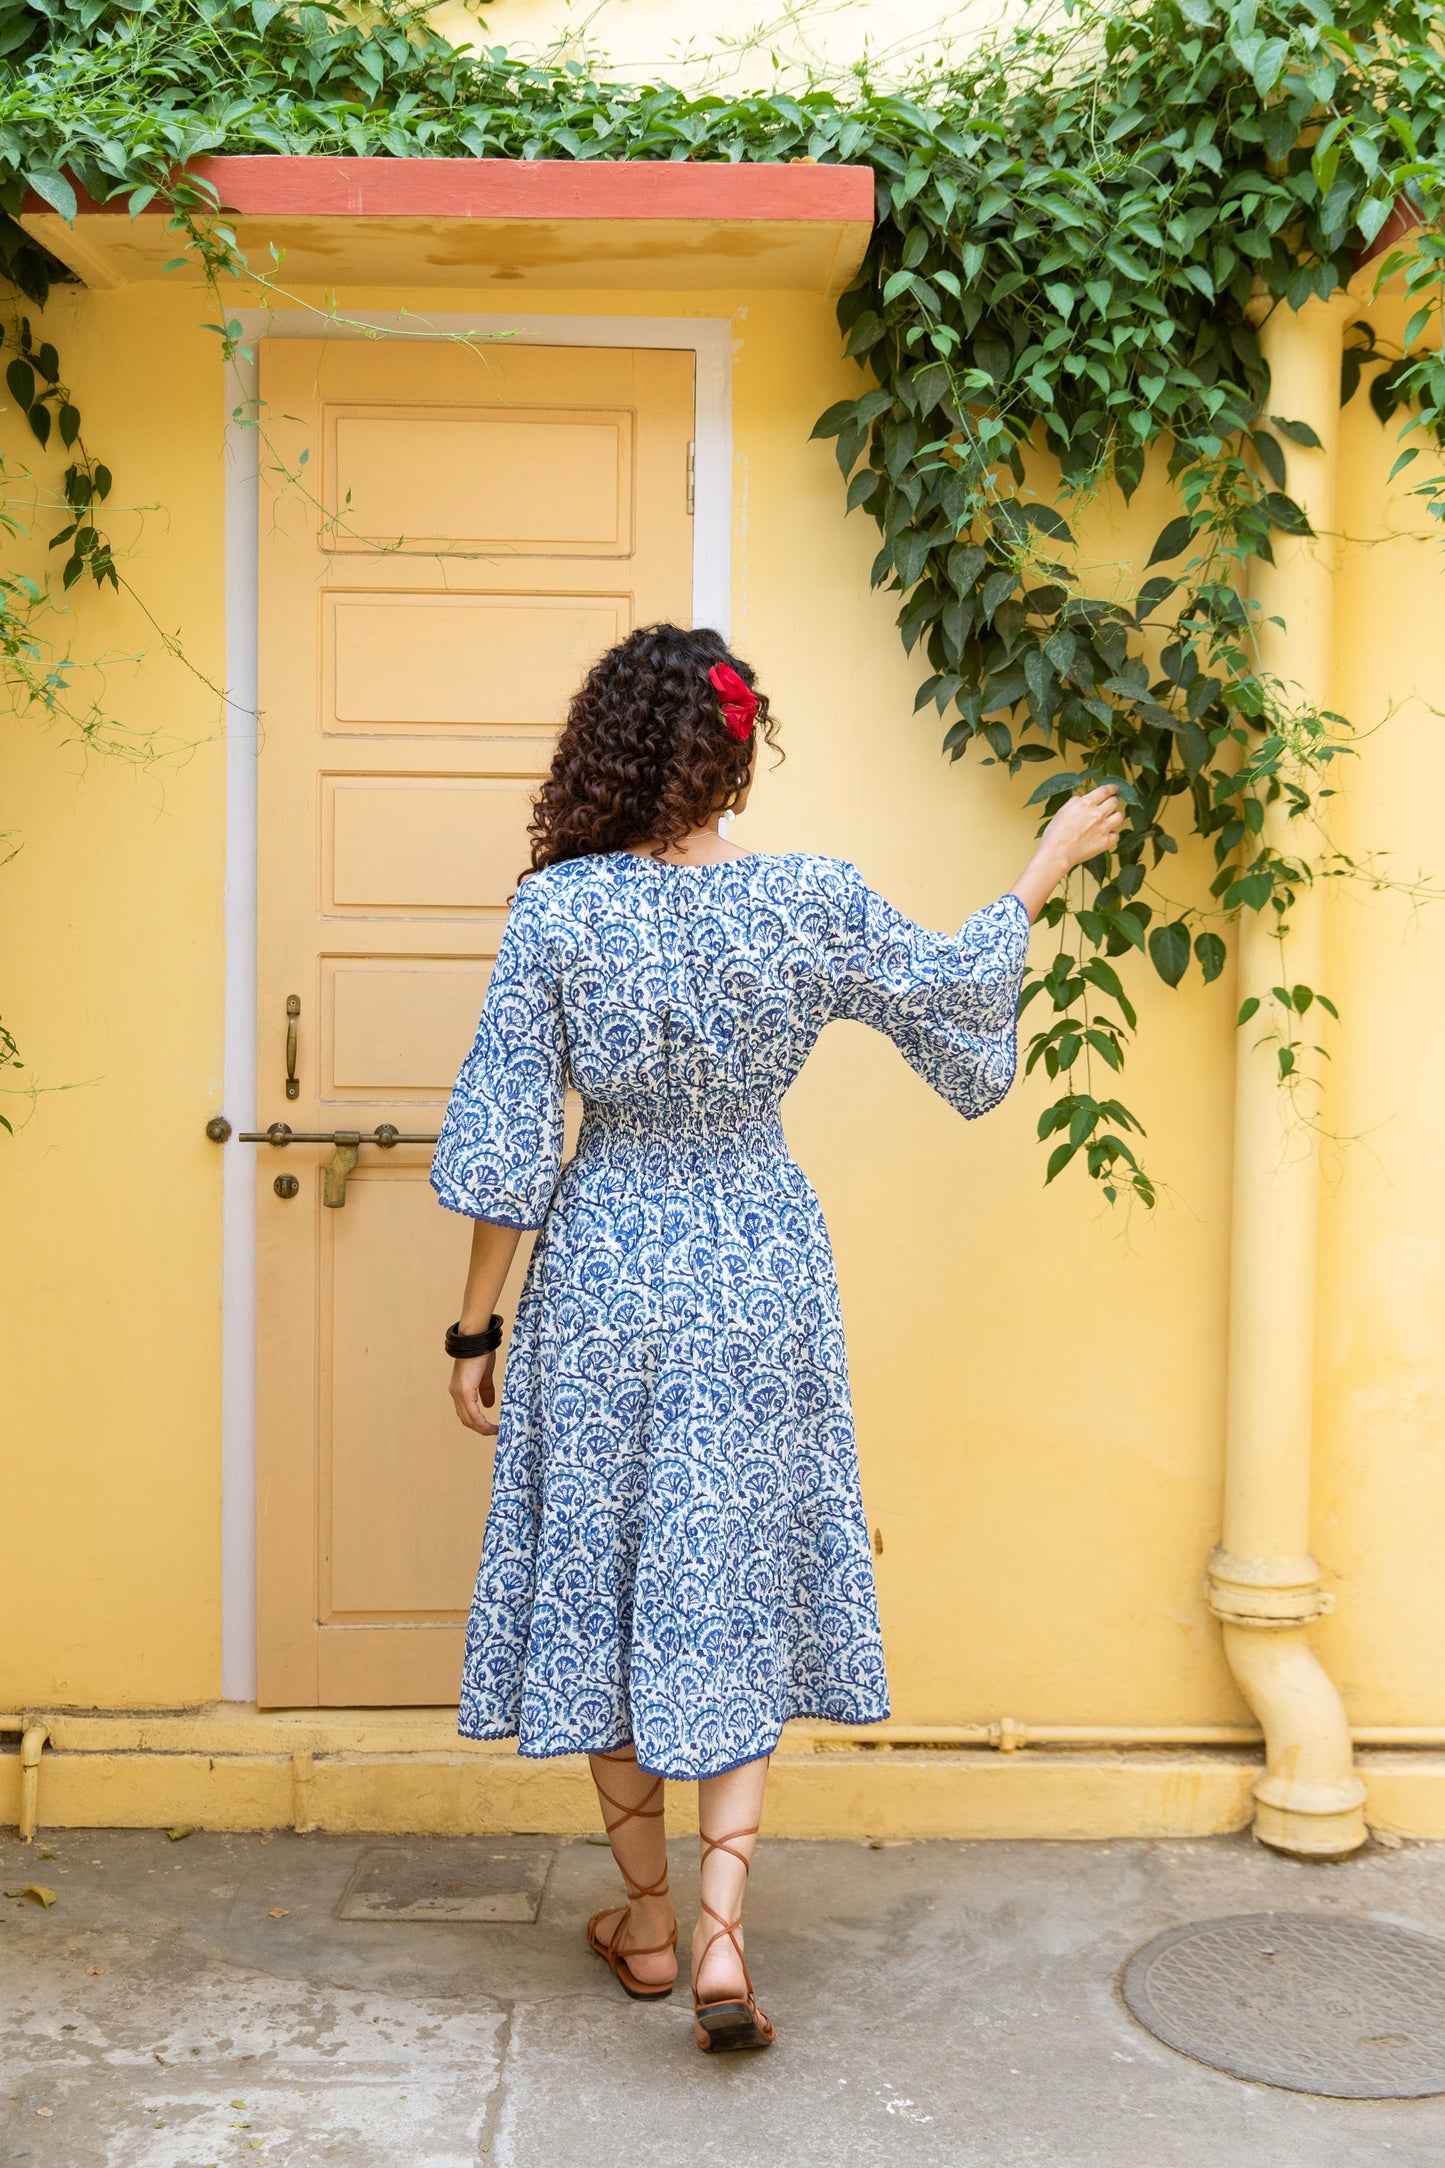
<point x="403" y="1491"/>
<point x="479" y="659"/>
<point x="429" y="481"/>
<point x="425" y="842"/>
<point x="486" y="524"/>
<point x="390" y="1024"/>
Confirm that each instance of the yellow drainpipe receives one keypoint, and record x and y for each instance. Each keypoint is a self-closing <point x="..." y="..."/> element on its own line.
<point x="1263" y="1585"/>
<point x="33" y="1736"/>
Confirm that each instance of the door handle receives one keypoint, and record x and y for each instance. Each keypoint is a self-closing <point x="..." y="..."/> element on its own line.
<point x="346" y="1148"/>
<point x="293" y="1010"/>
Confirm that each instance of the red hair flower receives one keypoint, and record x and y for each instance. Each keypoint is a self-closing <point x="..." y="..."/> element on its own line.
<point x="739" y="703"/>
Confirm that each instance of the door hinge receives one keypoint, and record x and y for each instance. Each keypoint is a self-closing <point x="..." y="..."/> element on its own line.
<point x="691" y="479"/>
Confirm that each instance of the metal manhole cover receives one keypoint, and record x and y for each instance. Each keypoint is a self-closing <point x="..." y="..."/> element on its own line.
<point x="1351" y="2008"/>
<point x="447" y="1878"/>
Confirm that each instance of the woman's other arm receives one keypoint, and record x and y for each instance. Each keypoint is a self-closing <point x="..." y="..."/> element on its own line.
<point x="1080" y="830"/>
<point x="472" y="1390"/>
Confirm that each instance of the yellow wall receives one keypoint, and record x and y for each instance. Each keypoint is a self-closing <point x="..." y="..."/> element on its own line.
<point x="1039" y="1383"/>
<point x="110" y="1310"/>
<point x="1380" y="1431"/>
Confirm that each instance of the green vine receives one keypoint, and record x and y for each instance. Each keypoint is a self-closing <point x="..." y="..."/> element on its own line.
<point x="1078" y="229"/>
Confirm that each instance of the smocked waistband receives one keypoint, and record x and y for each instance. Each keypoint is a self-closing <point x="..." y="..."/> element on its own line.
<point x="675" y="1133"/>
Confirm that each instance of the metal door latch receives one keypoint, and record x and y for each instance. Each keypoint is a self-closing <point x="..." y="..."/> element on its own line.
<point x="339" y="1166"/>
<point x="345" y="1143"/>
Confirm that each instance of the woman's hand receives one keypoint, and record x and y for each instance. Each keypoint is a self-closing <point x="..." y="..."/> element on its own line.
<point x="1084" y="827"/>
<point x="472" y="1390"/>
<point x="1081" y="830"/>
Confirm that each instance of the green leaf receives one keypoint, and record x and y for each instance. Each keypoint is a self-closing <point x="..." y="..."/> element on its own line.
<point x="1247" y="1009"/>
<point x="1060" y="647"/>
<point x="1129" y="926"/>
<point x="1059" y="1159"/>
<point x="1151" y="594"/>
<point x="68" y="423"/>
<point x="1054" y="786"/>
<point x="1082" y="1122"/>
<point x="1174" y="538"/>
<point x="1299" y="432"/>
<point x="1046" y="521"/>
<point x="835" y="419"/>
<point x="1211" y="952"/>
<point x="1040" y="676"/>
<point x="21" y="379"/>
<point x="1373" y="213"/>
<point x="910" y="554"/>
<point x="1271" y="458"/>
<point x="1105" y="1045"/>
<point x="1269" y="64"/>
<point x="1282" y="512"/>
<point x="1169" y="951"/>
<point x="1251" y="891"/>
<point x="964" y="564"/>
<point x="55" y="189"/>
<point x="866" y="333"/>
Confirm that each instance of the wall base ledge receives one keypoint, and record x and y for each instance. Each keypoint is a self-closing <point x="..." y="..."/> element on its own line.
<point x="404" y="1771"/>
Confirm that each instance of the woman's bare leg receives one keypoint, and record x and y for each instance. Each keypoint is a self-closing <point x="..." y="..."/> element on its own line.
<point x="730" y="1807"/>
<point x="631" y="1803"/>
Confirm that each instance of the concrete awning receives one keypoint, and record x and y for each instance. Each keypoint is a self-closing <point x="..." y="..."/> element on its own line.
<point x="470" y="222"/>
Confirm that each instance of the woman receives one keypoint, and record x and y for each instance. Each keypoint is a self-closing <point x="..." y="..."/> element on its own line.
<point x="676" y="1558"/>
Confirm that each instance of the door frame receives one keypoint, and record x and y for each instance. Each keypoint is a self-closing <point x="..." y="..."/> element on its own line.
<point x="710" y="340"/>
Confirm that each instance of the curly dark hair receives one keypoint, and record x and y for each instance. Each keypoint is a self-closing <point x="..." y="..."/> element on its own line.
<point x="645" y="756"/>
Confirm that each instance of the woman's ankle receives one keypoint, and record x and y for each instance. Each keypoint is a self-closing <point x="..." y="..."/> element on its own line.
<point x="717" y="1963"/>
<point x="652" y="1911"/>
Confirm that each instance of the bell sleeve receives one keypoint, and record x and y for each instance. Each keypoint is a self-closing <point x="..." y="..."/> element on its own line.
<point x="500" y="1147"/>
<point x="949" y="1002"/>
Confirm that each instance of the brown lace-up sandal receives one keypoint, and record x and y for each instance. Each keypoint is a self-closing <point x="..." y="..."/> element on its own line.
<point x="735" y="2022"/>
<point x="639" y="1990"/>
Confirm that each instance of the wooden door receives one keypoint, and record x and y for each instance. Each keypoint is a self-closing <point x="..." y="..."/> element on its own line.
<point x="449" y="536"/>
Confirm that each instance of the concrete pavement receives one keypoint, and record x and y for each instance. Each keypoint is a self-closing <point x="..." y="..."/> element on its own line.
<point x="199" y="2005"/>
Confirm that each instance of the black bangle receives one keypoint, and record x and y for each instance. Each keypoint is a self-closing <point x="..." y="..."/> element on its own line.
<point x="463" y="1345"/>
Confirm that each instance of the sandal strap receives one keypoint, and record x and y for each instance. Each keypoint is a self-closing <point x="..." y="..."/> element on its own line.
<point x="641" y="1889"/>
<point x="725" y="1844"/>
<point x="726" y="1929"/>
<point x="643" y="1812"/>
<point x="637" y="1949"/>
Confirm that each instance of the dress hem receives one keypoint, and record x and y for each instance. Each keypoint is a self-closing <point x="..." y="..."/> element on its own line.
<point x="676" y="1776"/>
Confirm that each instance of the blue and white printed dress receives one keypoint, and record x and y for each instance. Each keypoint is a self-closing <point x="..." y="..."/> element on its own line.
<point x="676" y="1552"/>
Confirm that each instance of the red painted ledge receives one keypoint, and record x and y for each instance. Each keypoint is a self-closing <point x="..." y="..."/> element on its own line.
<point x="543" y="188"/>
